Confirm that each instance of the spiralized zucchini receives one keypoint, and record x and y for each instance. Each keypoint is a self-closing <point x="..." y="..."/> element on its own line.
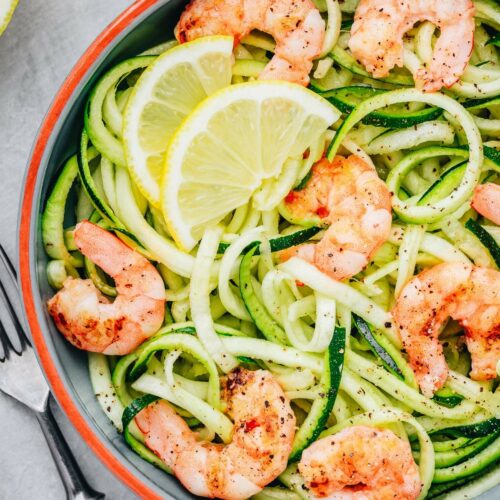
<point x="235" y="301"/>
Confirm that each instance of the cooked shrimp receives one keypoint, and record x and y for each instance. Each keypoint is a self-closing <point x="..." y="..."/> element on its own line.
<point x="362" y="463"/>
<point x="356" y="204"/>
<point x="296" y="25"/>
<point x="264" y="428"/>
<point x="468" y="294"/>
<point x="486" y="201"/>
<point x="88" y="319"/>
<point x="379" y="26"/>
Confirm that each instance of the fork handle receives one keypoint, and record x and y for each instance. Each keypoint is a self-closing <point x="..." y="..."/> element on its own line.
<point x="75" y="484"/>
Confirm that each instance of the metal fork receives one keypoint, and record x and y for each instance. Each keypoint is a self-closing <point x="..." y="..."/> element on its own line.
<point x="22" y="379"/>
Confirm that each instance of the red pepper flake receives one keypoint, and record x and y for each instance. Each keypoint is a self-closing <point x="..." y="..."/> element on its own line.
<point x="322" y="212"/>
<point x="291" y="197"/>
<point x="299" y="283"/>
<point x="250" y="425"/>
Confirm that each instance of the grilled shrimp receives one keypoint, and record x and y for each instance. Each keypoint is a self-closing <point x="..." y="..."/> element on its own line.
<point x="362" y="463"/>
<point x="468" y="294"/>
<point x="486" y="201"/>
<point x="379" y="26"/>
<point x="264" y="428"/>
<point x="88" y="319"/>
<point x="347" y="195"/>
<point x="296" y="25"/>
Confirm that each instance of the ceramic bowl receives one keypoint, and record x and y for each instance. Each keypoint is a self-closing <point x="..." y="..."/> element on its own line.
<point x="145" y="24"/>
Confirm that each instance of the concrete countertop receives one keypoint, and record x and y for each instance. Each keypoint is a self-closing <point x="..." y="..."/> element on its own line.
<point x="38" y="49"/>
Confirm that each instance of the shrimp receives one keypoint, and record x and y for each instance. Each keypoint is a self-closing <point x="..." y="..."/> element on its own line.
<point x="466" y="293"/>
<point x="88" y="319"/>
<point x="486" y="201"/>
<point x="362" y="463"/>
<point x="377" y="37"/>
<point x="347" y="195"/>
<point x="296" y="25"/>
<point x="264" y="429"/>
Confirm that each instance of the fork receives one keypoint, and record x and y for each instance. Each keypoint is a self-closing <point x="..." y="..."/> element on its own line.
<point x="22" y="379"/>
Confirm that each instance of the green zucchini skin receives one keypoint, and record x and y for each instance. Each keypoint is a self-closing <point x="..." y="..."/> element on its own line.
<point x="130" y="412"/>
<point x="492" y="154"/>
<point x="365" y="331"/>
<point x="134" y="369"/>
<point x="322" y="407"/>
<point x="102" y="139"/>
<point x="455" y="457"/>
<point x="262" y="319"/>
<point x="447" y="397"/>
<point x="303" y="183"/>
<point x="346" y="25"/>
<point x="348" y="62"/>
<point x="444" y="185"/>
<point x="120" y="377"/>
<point x="494" y="40"/>
<point x="438" y="490"/>
<point x="347" y="98"/>
<point x="280" y="243"/>
<point x="88" y="183"/>
<point x="451" y="178"/>
<point x="53" y="214"/>
<point x="135" y="407"/>
<point x="485" y="238"/>
<point x="481" y="103"/>
<point x="477" y="430"/>
<point x="476" y="464"/>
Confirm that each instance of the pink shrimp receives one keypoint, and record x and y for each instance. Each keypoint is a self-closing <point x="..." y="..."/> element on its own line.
<point x="468" y="294"/>
<point x="377" y="37"/>
<point x="361" y="463"/>
<point x="88" y="319"/>
<point x="486" y="201"/>
<point x="296" y="25"/>
<point x="348" y="196"/>
<point x="264" y="429"/>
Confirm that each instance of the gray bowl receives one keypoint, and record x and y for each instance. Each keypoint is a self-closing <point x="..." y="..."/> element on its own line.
<point x="144" y="24"/>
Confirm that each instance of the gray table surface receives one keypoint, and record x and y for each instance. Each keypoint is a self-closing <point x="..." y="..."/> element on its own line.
<point x="42" y="43"/>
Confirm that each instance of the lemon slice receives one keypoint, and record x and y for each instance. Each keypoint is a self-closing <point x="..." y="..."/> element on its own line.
<point x="230" y="145"/>
<point x="7" y="8"/>
<point x="162" y="98"/>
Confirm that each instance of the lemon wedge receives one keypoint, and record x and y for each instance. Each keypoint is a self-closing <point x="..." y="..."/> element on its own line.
<point x="162" y="98"/>
<point x="232" y="143"/>
<point x="7" y="8"/>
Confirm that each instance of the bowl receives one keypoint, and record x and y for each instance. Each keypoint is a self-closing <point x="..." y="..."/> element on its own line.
<point x="142" y="25"/>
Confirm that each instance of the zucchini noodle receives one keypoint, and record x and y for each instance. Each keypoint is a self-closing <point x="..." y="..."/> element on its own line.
<point x="229" y="268"/>
<point x="199" y="299"/>
<point x="342" y="293"/>
<point x="408" y="252"/>
<point x="163" y="250"/>
<point x="333" y="26"/>
<point x="243" y="298"/>
<point x="399" y="390"/>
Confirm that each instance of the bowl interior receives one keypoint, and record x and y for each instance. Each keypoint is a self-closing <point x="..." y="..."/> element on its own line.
<point x="154" y="26"/>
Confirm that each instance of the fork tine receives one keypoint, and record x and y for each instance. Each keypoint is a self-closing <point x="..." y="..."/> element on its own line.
<point x="3" y="347"/>
<point x="9" y="315"/>
<point x="10" y="285"/>
<point x="7" y="261"/>
<point x="12" y="332"/>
